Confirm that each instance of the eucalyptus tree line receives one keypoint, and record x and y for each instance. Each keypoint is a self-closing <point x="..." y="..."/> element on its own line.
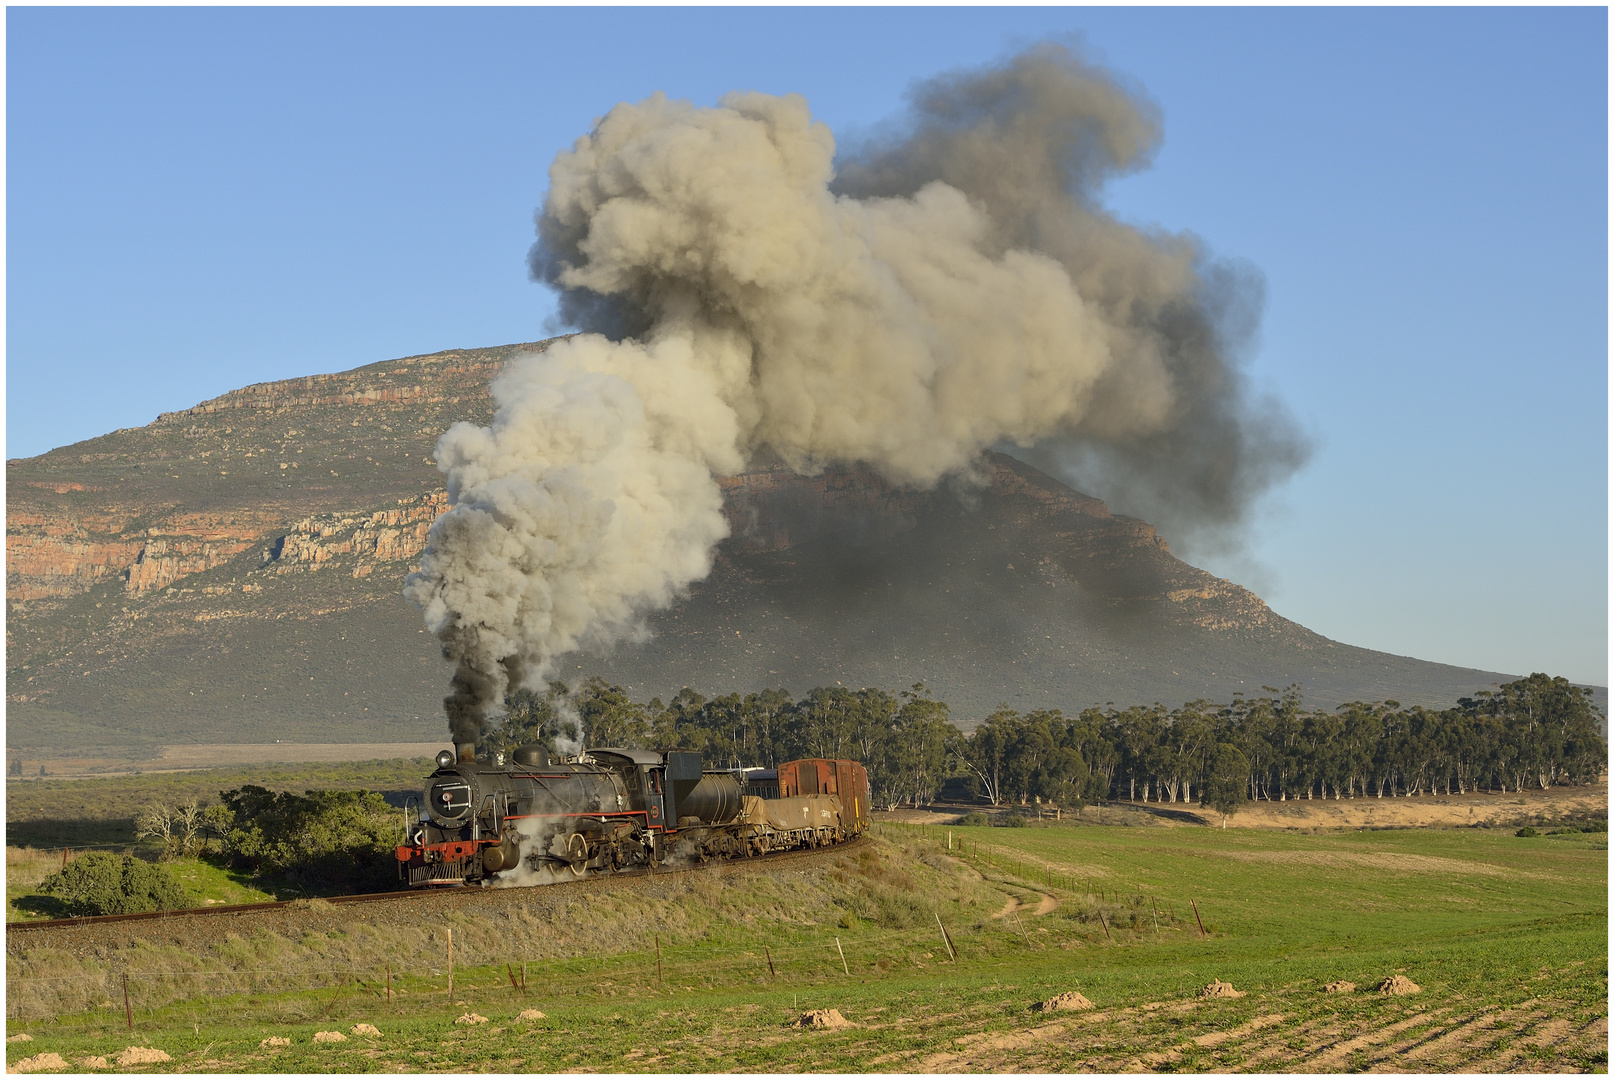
<point x="1535" y="732"/>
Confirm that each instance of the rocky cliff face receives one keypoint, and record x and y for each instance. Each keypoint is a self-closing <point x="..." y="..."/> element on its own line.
<point x="234" y="570"/>
<point x="195" y="488"/>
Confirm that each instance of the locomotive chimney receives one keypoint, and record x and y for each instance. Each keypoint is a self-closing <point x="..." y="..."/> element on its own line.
<point x="467" y="752"/>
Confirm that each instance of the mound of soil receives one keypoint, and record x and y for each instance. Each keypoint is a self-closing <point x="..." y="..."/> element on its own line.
<point x="141" y="1055"/>
<point x="471" y="1018"/>
<point x="1340" y="987"/>
<point x="38" y="1063"/>
<point x="1216" y="988"/>
<point x="275" y="1040"/>
<point x="366" y="1029"/>
<point x="96" y="1062"/>
<point x="329" y="1036"/>
<point x="1399" y="984"/>
<point x="823" y="1018"/>
<point x="1063" y="1002"/>
<point x="23" y="1037"/>
<point x="530" y="1014"/>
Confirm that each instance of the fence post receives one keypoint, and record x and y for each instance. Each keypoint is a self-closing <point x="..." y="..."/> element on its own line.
<point x="451" y="963"/>
<point x="1197" y="919"/>
<point x="128" y="1014"/>
<point x="838" y="949"/>
<point x="658" y="958"/>
<point x="523" y="976"/>
<point x="389" y="983"/>
<point x="769" y="954"/>
<point x="1106" y="927"/>
<point x="946" y="940"/>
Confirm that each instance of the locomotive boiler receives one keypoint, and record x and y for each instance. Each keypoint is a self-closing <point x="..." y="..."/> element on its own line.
<point x="613" y="808"/>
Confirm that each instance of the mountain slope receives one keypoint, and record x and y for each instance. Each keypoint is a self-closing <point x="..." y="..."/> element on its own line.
<point x="232" y="573"/>
<point x="1024" y="593"/>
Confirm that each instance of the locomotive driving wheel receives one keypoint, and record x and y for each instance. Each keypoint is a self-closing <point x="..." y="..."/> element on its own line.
<point x="577" y="853"/>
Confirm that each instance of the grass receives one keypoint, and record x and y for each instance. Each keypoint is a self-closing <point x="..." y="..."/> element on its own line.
<point x="209" y="883"/>
<point x="25" y="869"/>
<point x="1507" y="937"/>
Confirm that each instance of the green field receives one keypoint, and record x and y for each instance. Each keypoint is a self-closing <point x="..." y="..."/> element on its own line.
<point x="1506" y="936"/>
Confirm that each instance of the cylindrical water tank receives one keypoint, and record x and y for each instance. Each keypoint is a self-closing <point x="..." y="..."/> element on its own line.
<point x="716" y="800"/>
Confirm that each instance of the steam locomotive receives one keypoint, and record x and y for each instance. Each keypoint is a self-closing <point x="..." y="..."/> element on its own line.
<point x="613" y="808"/>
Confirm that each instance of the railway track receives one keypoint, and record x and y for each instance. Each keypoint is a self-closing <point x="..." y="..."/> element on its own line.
<point x="591" y="882"/>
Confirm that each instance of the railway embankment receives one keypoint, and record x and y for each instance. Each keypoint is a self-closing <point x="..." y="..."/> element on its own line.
<point x="782" y="901"/>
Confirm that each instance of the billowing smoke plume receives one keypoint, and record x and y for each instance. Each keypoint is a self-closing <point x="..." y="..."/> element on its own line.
<point x="950" y="289"/>
<point x="1031" y="144"/>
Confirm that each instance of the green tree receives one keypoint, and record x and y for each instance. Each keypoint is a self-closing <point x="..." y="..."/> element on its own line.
<point x="100" y="883"/>
<point x="320" y="841"/>
<point x="911" y="760"/>
<point x="986" y="752"/>
<point x="609" y="717"/>
<point x="1227" y="781"/>
<point x="531" y="717"/>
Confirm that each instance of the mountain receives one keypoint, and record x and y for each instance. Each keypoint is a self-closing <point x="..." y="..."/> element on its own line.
<point x="232" y="572"/>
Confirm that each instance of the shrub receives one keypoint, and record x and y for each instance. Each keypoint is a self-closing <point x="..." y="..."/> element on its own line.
<point x="321" y="841"/>
<point x="976" y="818"/>
<point x="101" y="883"/>
<point x="1014" y="821"/>
<point x="1527" y="831"/>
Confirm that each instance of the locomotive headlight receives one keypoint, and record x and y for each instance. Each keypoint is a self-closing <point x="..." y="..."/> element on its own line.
<point x="445" y="758"/>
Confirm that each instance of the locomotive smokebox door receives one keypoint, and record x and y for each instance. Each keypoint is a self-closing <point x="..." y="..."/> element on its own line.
<point x="683" y="773"/>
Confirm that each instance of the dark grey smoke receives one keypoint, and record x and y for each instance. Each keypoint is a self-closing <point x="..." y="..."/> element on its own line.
<point x="1033" y="141"/>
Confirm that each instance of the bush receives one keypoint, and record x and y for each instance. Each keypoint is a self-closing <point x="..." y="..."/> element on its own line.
<point x="320" y="841"/>
<point x="101" y="883"/>
<point x="1527" y="831"/>
<point x="974" y="818"/>
<point x="1014" y="821"/>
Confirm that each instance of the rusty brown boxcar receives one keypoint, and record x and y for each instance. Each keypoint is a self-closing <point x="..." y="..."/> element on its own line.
<point x="830" y="776"/>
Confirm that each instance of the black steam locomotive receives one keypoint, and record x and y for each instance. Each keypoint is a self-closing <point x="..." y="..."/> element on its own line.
<point x="534" y="819"/>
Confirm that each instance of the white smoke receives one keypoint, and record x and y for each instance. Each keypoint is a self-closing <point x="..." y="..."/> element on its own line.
<point x="747" y="304"/>
<point x="532" y="869"/>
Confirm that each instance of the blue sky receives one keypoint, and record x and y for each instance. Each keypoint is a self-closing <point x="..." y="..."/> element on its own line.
<point x="204" y="198"/>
